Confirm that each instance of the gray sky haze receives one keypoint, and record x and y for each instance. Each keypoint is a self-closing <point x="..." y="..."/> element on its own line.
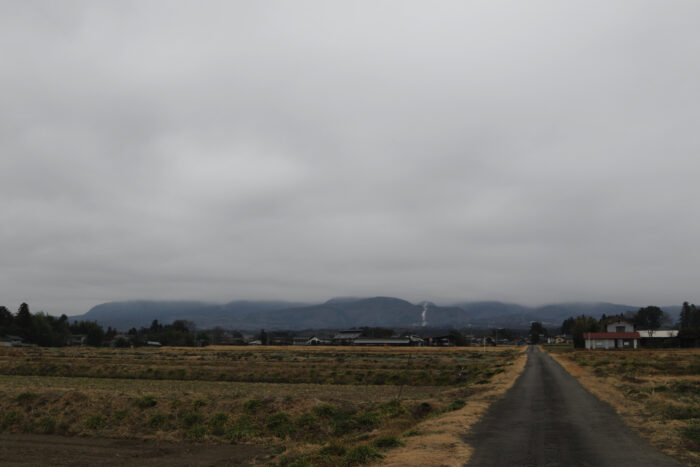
<point x="531" y="152"/>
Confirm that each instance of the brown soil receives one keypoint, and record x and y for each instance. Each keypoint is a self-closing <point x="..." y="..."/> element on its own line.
<point x="30" y="450"/>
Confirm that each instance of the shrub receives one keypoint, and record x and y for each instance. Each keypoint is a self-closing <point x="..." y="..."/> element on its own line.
<point x="156" y="421"/>
<point x="95" y="422"/>
<point x="217" y="423"/>
<point x="686" y="387"/>
<point x="391" y="409"/>
<point x="360" y="455"/>
<point x="63" y="427"/>
<point x="366" y="421"/>
<point x="13" y="417"/>
<point x="325" y="411"/>
<point x="308" y="424"/>
<point x="145" y="402"/>
<point x="27" y="397"/>
<point x="456" y="404"/>
<point x="387" y="442"/>
<point x="692" y="436"/>
<point x="302" y="461"/>
<point x="243" y="428"/>
<point x="198" y="404"/>
<point x="46" y="425"/>
<point x="279" y="425"/>
<point x="253" y="405"/>
<point x="679" y="412"/>
<point x="191" y="419"/>
<point x="333" y="449"/>
<point x="197" y="432"/>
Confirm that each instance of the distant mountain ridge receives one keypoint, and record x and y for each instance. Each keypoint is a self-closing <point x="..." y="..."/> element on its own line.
<point x="344" y="312"/>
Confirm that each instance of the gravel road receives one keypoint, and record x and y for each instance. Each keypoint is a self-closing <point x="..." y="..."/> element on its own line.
<point x="548" y="419"/>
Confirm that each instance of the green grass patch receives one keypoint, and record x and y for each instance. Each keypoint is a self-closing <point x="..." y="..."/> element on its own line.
<point x="25" y="398"/>
<point x="360" y="455"/>
<point x="145" y="402"/>
<point x="95" y="422"/>
<point x="387" y="442"/>
<point x="279" y="425"/>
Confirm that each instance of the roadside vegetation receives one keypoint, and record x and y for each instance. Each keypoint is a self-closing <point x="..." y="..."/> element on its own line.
<point x="315" y="406"/>
<point x="656" y="391"/>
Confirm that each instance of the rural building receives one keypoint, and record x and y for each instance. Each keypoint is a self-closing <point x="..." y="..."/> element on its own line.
<point x="11" y="341"/>
<point x="442" y="341"/>
<point x="313" y="340"/>
<point x="620" y="335"/>
<point x="77" y="339"/>
<point x="346" y="337"/>
<point x="402" y="341"/>
<point x="659" y="337"/>
<point x="657" y="333"/>
<point x="560" y="339"/>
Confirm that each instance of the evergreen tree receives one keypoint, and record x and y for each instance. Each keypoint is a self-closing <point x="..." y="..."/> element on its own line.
<point x="23" y="319"/>
<point x="685" y="316"/>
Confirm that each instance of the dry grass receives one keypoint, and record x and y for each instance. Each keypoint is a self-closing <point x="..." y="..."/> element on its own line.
<point x="325" y="365"/>
<point x="440" y="440"/>
<point x="656" y="392"/>
<point x="327" y="405"/>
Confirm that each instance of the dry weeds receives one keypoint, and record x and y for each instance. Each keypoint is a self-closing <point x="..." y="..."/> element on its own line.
<point x="223" y="395"/>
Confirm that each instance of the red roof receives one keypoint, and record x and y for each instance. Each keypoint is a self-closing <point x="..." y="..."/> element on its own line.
<point x="611" y="335"/>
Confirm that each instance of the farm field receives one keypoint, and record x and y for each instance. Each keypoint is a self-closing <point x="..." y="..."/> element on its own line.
<point x="305" y="406"/>
<point x="657" y="392"/>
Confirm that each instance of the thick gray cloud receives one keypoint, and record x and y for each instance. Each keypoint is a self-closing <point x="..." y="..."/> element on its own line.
<point x="525" y="151"/>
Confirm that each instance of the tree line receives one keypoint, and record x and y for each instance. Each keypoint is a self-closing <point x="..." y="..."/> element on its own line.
<point x="689" y="325"/>
<point x="48" y="331"/>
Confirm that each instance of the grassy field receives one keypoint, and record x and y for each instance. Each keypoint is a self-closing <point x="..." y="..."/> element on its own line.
<point x="316" y="406"/>
<point x="656" y="391"/>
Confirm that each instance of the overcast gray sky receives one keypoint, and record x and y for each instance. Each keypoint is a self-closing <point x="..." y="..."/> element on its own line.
<point x="535" y="151"/>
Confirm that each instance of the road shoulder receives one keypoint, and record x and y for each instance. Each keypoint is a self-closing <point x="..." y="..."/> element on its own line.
<point x="440" y="441"/>
<point x="659" y="434"/>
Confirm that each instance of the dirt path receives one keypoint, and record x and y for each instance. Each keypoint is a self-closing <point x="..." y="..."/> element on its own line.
<point x="38" y="450"/>
<point x="548" y="419"/>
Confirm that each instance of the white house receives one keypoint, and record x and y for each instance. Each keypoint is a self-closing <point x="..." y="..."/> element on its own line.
<point x="619" y="335"/>
<point x="657" y="333"/>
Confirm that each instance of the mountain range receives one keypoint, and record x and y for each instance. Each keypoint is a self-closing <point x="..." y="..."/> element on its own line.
<point x="344" y="312"/>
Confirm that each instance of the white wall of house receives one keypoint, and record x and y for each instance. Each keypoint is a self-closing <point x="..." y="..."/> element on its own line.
<point x="626" y="344"/>
<point x="658" y="333"/>
<point x="600" y="344"/>
<point x="620" y="326"/>
<point x="607" y="344"/>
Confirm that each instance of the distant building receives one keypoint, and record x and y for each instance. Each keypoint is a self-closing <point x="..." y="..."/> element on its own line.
<point x="77" y="339"/>
<point x="346" y="337"/>
<point x="657" y="333"/>
<point x="11" y="341"/>
<point x="620" y="335"/>
<point x="390" y="341"/>
<point x="442" y="341"/>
